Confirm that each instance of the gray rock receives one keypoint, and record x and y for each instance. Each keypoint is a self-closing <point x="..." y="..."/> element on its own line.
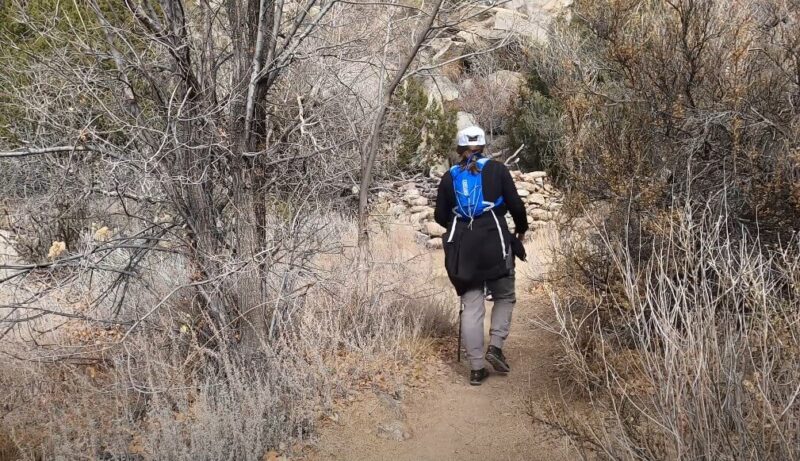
<point x="394" y="430"/>
<point x="391" y="404"/>
<point x="523" y="193"/>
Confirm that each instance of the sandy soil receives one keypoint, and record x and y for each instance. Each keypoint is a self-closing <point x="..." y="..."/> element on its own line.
<point x="451" y="420"/>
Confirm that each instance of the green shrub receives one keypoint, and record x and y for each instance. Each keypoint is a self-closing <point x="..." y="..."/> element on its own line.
<point x="535" y="124"/>
<point x="426" y="129"/>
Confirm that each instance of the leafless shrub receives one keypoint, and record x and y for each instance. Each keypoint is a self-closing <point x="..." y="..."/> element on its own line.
<point x="160" y="385"/>
<point x="693" y="354"/>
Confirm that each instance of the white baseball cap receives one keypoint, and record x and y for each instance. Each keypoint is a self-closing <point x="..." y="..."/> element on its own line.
<point x="471" y="136"/>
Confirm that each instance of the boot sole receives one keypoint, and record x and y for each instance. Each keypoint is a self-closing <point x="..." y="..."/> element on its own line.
<point x="497" y="364"/>
<point x="478" y="383"/>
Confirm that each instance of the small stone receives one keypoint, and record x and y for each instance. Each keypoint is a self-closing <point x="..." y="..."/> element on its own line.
<point x="397" y="209"/>
<point x="523" y="193"/>
<point x="434" y="243"/>
<point x="535" y="175"/>
<point x="411" y="195"/>
<point x="433" y="228"/>
<point x="418" y="201"/>
<point x="541" y="215"/>
<point x="418" y="208"/>
<point x="537" y="199"/>
<point x="554" y="207"/>
<point x="527" y="186"/>
<point x="394" y="430"/>
<point x="416" y="219"/>
<point x="409" y="186"/>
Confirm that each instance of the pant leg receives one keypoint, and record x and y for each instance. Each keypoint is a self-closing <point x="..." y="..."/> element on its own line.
<point x="472" y="326"/>
<point x="504" y="297"/>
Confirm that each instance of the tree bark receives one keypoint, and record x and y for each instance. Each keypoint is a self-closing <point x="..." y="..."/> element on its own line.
<point x="370" y="148"/>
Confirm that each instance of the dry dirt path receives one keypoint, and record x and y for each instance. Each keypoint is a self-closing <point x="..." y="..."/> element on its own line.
<point x="451" y="420"/>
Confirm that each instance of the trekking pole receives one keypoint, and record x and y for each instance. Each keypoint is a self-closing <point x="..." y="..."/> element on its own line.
<point x="460" y="312"/>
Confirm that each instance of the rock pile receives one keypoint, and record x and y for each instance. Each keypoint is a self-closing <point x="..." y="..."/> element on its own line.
<point x="412" y="202"/>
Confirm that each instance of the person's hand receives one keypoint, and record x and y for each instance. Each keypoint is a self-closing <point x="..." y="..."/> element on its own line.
<point x="520" y="236"/>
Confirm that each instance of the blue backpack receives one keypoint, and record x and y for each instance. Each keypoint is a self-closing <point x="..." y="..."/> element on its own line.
<point x="468" y="187"/>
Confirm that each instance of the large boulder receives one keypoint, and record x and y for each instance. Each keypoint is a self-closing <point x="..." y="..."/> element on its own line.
<point x="441" y="89"/>
<point x="465" y="119"/>
<point x="510" y="22"/>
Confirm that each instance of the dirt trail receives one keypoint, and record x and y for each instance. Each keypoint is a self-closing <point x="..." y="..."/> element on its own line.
<point x="451" y="420"/>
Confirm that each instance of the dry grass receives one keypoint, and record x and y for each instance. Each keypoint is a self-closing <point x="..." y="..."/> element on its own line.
<point x="169" y="391"/>
<point x="693" y="354"/>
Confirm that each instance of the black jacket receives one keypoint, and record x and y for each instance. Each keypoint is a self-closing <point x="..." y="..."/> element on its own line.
<point x="483" y="250"/>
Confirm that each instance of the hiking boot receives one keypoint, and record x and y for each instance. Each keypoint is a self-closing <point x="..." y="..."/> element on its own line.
<point x="495" y="356"/>
<point x="476" y="377"/>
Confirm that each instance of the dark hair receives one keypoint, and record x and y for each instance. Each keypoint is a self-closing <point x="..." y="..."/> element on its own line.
<point x="472" y="166"/>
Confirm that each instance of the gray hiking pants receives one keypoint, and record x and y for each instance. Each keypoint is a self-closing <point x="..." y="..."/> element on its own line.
<point x="502" y="291"/>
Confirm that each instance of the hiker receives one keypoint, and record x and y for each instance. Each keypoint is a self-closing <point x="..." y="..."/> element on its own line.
<point x="471" y="204"/>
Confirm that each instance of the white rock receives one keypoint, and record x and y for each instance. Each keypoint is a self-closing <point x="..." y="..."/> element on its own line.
<point x="514" y="23"/>
<point x="435" y="243"/>
<point x="418" y="209"/>
<point x="537" y="199"/>
<point x="409" y="186"/>
<point x="438" y="170"/>
<point x="477" y="33"/>
<point x="416" y="220"/>
<point x="465" y="119"/>
<point x="540" y="215"/>
<point x="523" y="193"/>
<point x="553" y="207"/>
<point x="506" y="79"/>
<point x="534" y="175"/>
<point x="418" y="201"/>
<point x="397" y="210"/>
<point x="433" y="228"/>
<point x="527" y="186"/>
<point x="467" y="84"/>
<point x="441" y="89"/>
<point x="411" y="196"/>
